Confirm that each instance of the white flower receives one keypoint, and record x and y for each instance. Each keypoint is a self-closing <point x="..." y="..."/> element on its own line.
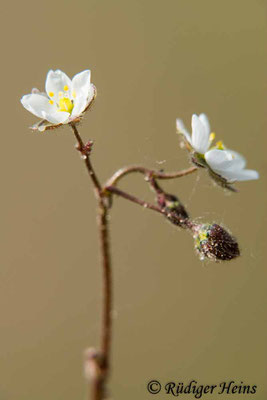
<point x="65" y="100"/>
<point x="224" y="165"/>
<point x="229" y="165"/>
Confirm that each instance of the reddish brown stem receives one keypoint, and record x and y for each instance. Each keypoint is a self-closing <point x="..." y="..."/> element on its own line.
<point x="102" y="363"/>
<point x="187" y="223"/>
<point x="133" y="199"/>
<point x="90" y="169"/>
<point x="148" y="173"/>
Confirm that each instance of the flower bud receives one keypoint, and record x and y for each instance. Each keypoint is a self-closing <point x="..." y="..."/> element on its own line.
<point x="177" y="213"/>
<point x="214" y="242"/>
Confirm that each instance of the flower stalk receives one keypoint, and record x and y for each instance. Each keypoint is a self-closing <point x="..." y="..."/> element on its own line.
<point x="102" y="367"/>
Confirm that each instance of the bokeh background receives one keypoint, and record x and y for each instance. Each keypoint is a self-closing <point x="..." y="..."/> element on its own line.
<point x="175" y="318"/>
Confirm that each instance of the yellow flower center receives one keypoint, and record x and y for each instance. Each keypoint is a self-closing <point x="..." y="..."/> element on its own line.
<point x="220" y="145"/>
<point x="65" y="104"/>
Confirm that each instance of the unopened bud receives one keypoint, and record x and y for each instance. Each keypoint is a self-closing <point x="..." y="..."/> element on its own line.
<point x="176" y="212"/>
<point x="214" y="242"/>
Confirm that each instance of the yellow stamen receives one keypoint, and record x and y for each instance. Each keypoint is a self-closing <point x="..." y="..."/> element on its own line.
<point x="219" y="145"/>
<point x="212" y="136"/>
<point x="202" y="236"/>
<point x="74" y="94"/>
<point x="66" y="88"/>
<point x="51" y="94"/>
<point x="51" y="102"/>
<point x="65" y="104"/>
<point x="60" y="94"/>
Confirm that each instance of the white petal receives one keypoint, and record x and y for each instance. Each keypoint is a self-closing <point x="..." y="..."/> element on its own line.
<point x="37" y="104"/>
<point x="57" y="117"/>
<point x="219" y="160"/>
<point x="79" y="106"/>
<point x="200" y="135"/>
<point x="82" y="101"/>
<point x="204" y="119"/>
<point x="37" y="91"/>
<point x="239" y="161"/>
<point x="182" y="129"/>
<point x="81" y="83"/>
<point x="222" y="160"/>
<point x="240" y="175"/>
<point x="56" y="81"/>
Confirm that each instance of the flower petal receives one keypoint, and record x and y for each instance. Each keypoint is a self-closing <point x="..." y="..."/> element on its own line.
<point x="204" y="119"/>
<point x="82" y="101"/>
<point x="219" y="159"/>
<point x="222" y="160"/>
<point x="81" y="83"/>
<point x="200" y="135"/>
<point x="56" y="82"/>
<point x="37" y="104"/>
<point x="240" y="175"/>
<point x="37" y="91"/>
<point x="229" y="165"/>
<point x="57" y="117"/>
<point x="239" y="161"/>
<point x="182" y="129"/>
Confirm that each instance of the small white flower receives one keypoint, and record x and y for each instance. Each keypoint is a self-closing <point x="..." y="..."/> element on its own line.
<point x="226" y="166"/>
<point x="65" y="100"/>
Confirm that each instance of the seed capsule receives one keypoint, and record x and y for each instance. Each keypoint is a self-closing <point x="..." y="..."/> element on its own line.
<point x="214" y="242"/>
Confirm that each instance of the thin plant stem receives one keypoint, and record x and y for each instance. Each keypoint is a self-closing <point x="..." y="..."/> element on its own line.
<point x="187" y="223"/>
<point x="148" y="173"/>
<point x="103" y="361"/>
<point x="133" y="199"/>
<point x="87" y="161"/>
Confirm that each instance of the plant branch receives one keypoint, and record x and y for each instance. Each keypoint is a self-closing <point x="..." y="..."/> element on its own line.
<point x="174" y="218"/>
<point x="133" y="199"/>
<point x="148" y="173"/>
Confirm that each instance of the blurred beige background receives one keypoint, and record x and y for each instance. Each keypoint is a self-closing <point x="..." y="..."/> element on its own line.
<point x="176" y="318"/>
